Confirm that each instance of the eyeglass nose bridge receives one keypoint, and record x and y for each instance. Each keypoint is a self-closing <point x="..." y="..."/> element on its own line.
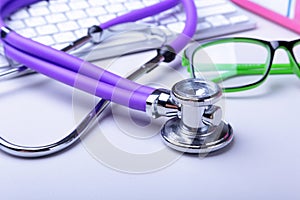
<point x="288" y="48"/>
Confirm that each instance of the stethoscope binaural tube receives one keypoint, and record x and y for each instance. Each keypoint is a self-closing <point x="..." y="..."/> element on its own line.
<point x="16" y="44"/>
<point x="38" y="151"/>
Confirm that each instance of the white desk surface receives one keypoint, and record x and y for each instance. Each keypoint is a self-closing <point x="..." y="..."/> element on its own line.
<point x="123" y="157"/>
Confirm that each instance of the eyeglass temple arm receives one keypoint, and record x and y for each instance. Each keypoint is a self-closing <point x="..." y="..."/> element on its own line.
<point x="250" y="69"/>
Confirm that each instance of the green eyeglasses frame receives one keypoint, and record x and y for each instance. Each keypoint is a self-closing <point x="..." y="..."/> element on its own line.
<point x="248" y="69"/>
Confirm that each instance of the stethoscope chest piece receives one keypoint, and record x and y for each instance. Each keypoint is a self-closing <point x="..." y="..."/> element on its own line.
<point x="199" y="127"/>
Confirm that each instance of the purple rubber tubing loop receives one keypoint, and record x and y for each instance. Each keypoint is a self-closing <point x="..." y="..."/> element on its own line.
<point x="188" y="5"/>
<point x="73" y="63"/>
<point x="133" y="100"/>
<point x="190" y="26"/>
<point x="70" y="62"/>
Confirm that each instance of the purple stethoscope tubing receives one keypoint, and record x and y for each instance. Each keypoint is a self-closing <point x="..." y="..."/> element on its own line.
<point x="83" y="75"/>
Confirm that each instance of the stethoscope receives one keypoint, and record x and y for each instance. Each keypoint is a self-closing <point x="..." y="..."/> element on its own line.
<point x="196" y="125"/>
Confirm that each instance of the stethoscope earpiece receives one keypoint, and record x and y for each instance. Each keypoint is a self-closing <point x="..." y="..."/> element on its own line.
<point x="198" y="128"/>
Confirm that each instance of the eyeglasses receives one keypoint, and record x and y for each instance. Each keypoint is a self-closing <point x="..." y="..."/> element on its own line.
<point x="240" y="64"/>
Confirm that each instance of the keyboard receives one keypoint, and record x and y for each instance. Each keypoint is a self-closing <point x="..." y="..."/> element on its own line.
<point x="58" y="22"/>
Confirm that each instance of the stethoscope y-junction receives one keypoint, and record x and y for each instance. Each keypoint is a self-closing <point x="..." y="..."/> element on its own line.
<point x="196" y="125"/>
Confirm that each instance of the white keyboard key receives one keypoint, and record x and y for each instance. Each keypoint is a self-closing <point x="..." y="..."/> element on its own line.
<point x="225" y="9"/>
<point x="96" y="11"/>
<point x="47" y="29"/>
<point x="56" y="18"/>
<point x="115" y="8"/>
<point x="60" y="46"/>
<point x="150" y="20"/>
<point x="217" y="21"/>
<point x="35" y="21"/>
<point x="81" y="32"/>
<point x="38" y="11"/>
<point x="76" y="14"/>
<point x="67" y="26"/>
<point x="168" y="20"/>
<point x="202" y="26"/>
<point x="134" y="5"/>
<point x="46" y="40"/>
<point x="181" y="17"/>
<point x="88" y="22"/>
<point x="79" y="5"/>
<point x="57" y="8"/>
<point x="64" y="37"/>
<point x="27" y="32"/>
<point x="238" y="19"/>
<point x="98" y="2"/>
<point x="205" y="3"/>
<point x="105" y="18"/>
<point x="55" y="2"/>
<point x="21" y="14"/>
<point x="39" y="4"/>
<point x="15" y="24"/>
<point x="176" y="27"/>
<point x="117" y="1"/>
<point x="150" y="2"/>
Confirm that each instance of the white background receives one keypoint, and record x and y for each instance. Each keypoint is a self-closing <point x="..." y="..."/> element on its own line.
<point x="262" y="163"/>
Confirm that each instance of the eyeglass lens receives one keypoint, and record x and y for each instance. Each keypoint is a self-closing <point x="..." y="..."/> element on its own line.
<point x="296" y="51"/>
<point x="232" y="63"/>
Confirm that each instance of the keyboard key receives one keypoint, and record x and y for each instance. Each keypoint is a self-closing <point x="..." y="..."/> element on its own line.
<point x="238" y="19"/>
<point x="96" y="11"/>
<point x="56" y="18"/>
<point x="217" y="21"/>
<point x="133" y="5"/>
<point x="79" y="5"/>
<point x="64" y="37"/>
<point x="46" y="40"/>
<point x="38" y="11"/>
<point x="60" y="46"/>
<point x="39" y="4"/>
<point x="76" y="14"/>
<point x="67" y="26"/>
<point x="35" y="21"/>
<point x="59" y="8"/>
<point x="181" y="16"/>
<point x="150" y="2"/>
<point x="168" y="20"/>
<point x="27" y="32"/>
<point x="206" y="3"/>
<point x="203" y="26"/>
<point x="81" y="32"/>
<point x="105" y="18"/>
<point x="16" y="24"/>
<point x="47" y="29"/>
<point x="21" y="14"/>
<point x="115" y="8"/>
<point x="176" y="27"/>
<point x="98" y="2"/>
<point x="88" y="22"/>
<point x="225" y="9"/>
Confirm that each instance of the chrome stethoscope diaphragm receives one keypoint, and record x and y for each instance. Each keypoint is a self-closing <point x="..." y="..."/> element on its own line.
<point x="198" y="126"/>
